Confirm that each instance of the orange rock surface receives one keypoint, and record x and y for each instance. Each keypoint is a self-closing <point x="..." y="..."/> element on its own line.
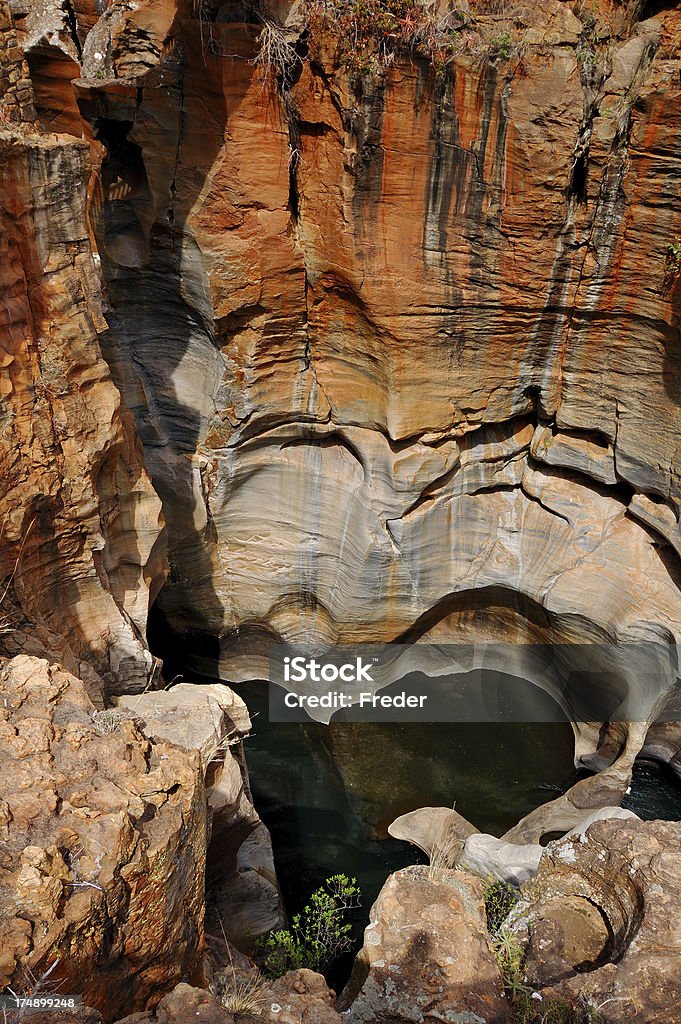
<point x="81" y="523"/>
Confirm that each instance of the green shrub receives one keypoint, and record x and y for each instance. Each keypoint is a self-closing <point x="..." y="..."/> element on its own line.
<point x="502" y="46"/>
<point x="317" y="936"/>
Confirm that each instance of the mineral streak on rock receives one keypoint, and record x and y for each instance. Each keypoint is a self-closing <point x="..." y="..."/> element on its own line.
<point x="80" y="519"/>
<point x="401" y="351"/>
<point x="386" y="339"/>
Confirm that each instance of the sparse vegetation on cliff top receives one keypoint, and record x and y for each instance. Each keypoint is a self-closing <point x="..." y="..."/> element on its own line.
<point x="372" y="32"/>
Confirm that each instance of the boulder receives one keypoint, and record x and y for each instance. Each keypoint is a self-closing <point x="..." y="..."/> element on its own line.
<point x="104" y="843"/>
<point x="196" y="717"/>
<point x="242" y="889"/>
<point x="182" y="1005"/>
<point x="488" y="856"/>
<point x="426" y="955"/>
<point x="299" y="997"/>
<point x="600" y="921"/>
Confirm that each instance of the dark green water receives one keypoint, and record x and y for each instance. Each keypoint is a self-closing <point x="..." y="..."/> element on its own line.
<point x="655" y="792"/>
<point x="328" y="793"/>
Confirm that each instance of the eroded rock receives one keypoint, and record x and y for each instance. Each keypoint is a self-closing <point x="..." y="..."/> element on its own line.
<point x="104" y="842"/>
<point x="426" y="955"/>
<point x="242" y="888"/>
<point x="299" y="997"/>
<point x="602" y="915"/>
<point x="81" y="523"/>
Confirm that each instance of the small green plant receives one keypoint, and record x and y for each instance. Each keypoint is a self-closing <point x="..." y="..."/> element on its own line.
<point x="502" y="46"/>
<point x="317" y="936"/>
<point x="585" y="54"/>
<point x="674" y="255"/>
<point x="510" y="957"/>
<point x="527" y="1006"/>
<point x="500" y="899"/>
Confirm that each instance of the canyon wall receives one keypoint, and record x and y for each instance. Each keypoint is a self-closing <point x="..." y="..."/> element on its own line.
<point x="81" y="522"/>
<point x="402" y="345"/>
<point x="306" y="341"/>
<point x="401" y="342"/>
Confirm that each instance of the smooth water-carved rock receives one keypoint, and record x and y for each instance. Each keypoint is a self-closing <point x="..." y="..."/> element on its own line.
<point x="104" y="845"/>
<point x="458" y="475"/>
<point x="601" y="916"/>
<point x="426" y="827"/>
<point x="490" y="857"/>
<point x="450" y="841"/>
<point x="518" y="862"/>
<point x="426" y="955"/>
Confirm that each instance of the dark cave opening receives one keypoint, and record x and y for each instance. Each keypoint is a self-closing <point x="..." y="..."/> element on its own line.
<point x="123" y="171"/>
<point x="241" y="13"/>
<point x="651" y="8"/>
<point x="578" y="182"/>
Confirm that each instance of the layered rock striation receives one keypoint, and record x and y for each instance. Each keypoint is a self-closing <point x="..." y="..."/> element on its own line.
<point x="383" y="342"/>
<point x="366" y="425"/>
<point x="82" y="528"/>
<point x="398" y="344"/>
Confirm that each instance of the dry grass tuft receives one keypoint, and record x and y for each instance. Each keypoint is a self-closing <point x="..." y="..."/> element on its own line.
<point x="240" y="993"/>
<point x="6" y="617"/>
<point x="109" y="720"/>
<point x="444" y="853"/>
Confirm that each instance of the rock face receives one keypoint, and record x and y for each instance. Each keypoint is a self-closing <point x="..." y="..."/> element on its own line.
<point x="426" y="955"/>
<point x="602" y="919"/>
<point x="392" y="418"/>
<point x="367" y="425"/>
<point x="104" y="845"/>
<point x="16" y="87"/>
<point x="391" y="346"/>
<point x="81" y="524"/>
<point x="362" y="425"/>
<point x="243" y="894"/>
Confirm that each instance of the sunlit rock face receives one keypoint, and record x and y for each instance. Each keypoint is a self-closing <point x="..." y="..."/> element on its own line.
<point x="104" y="846"/>
<point x="404" y="347"/>
<point x="81" y="523"/>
